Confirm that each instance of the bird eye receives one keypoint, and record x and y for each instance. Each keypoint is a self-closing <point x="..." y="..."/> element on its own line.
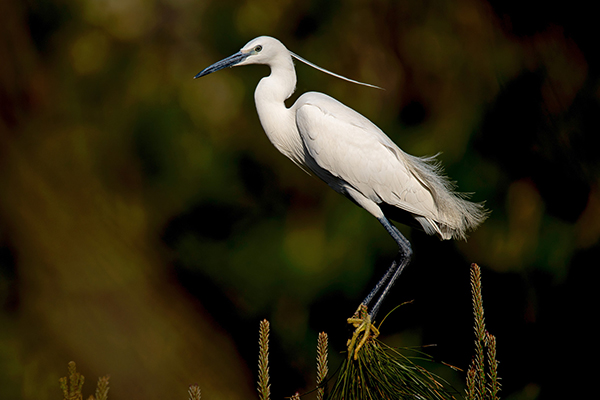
<point x="258" y="48"/>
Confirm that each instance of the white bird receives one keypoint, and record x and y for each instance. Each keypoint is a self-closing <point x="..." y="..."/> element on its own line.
<point x="354" y="157"/>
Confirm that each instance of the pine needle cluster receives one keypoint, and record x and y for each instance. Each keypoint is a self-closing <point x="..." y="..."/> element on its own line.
<point x="483" y="382"/>
<point x="72" y="385"/>
<point x="383" y="372"/>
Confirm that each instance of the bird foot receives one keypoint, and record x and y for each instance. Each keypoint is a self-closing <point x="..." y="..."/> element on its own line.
<point x="361" y="320"/>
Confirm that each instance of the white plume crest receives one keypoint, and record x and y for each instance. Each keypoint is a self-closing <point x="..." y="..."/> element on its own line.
<point x="315" y="66"/>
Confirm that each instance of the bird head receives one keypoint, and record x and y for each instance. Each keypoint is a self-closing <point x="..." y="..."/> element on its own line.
<point x="261" y="50"/>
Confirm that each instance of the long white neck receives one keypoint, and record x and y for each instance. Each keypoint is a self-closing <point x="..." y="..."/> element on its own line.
<point x="277" y="120"/>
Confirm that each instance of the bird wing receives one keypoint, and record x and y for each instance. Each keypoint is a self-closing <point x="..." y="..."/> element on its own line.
<point x="352" y="149"/>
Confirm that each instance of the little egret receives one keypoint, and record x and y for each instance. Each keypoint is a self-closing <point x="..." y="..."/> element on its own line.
<point x="355" y="158"/>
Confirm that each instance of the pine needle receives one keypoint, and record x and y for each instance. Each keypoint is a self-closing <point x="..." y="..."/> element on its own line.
<point x="264" y="388"/>
<point x="382" y="372"/>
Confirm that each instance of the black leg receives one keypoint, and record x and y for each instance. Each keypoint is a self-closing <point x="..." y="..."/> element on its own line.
<point x="394" y="271"/>
<point x="389" y="272"/>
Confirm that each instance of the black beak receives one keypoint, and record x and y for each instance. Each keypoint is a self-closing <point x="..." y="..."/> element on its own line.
<point x="230" y="61"/>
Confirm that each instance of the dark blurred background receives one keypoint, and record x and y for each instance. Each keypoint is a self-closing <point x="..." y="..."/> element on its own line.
<point x="147" y="225"/>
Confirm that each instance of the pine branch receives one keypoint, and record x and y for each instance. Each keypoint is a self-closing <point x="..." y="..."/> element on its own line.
<point x="102" y="388"/>
<point x="194" y="392"/>
<point x="477" y="386"/>
<point x="71" y="385"/>
<point x="322" y="367"/>
<point x="494" y="384"/>
<point x="75" y="382"/>
<point x="479" y="361"/>
<point x="472" y="382"/>
<point x="63" y="386"/>
<point x="264" y="388"/>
